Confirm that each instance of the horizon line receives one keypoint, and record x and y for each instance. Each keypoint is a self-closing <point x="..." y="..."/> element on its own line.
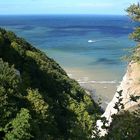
<point x="62" y="14"/>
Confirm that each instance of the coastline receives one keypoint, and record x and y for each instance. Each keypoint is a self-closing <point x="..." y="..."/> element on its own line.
<point x="88" y="51"/>
<point x="101" y="92"/>
<point x="130" y="87"/>
<point x="99" y="89"/>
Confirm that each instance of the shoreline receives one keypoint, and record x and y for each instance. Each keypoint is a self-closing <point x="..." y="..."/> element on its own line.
<point x="102" y="90"/>
<point x="95" y="85"/>
<point x="101" y="94"/>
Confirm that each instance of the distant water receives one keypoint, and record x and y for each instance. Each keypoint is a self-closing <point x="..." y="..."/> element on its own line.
<point x="88" y="47"/>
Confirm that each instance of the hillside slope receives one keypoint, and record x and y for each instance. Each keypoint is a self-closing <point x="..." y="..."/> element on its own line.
<point x="37" y="98"/>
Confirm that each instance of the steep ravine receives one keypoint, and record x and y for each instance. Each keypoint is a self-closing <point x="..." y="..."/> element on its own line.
<point x="129" y="86"/>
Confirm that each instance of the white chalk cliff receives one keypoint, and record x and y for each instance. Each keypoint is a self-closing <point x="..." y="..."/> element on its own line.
<point x="130" y="85"/>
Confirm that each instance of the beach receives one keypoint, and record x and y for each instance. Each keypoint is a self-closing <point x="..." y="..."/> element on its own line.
<point x="98" y="84"/>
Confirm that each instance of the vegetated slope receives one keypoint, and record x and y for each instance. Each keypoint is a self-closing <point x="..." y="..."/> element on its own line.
<point x="37" y="98"/>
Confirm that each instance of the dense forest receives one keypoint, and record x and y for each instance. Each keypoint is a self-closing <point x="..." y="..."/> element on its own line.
<point x="37" y="98"/>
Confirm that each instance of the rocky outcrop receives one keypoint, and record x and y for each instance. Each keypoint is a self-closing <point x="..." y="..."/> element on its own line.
<point x="130" y="86"/>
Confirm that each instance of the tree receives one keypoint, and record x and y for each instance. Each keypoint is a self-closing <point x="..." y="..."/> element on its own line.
<point x="20" y="127"/>
<point x="9" y="94"/>
<point x="134" y="12"/>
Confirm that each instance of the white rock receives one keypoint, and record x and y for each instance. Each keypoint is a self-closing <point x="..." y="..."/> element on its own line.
<point x="130" y="85"/>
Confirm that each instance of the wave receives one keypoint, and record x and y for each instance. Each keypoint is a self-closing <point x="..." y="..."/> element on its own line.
<point x="105" y="82"/>
<point x="94" y="41"/>
<point x="69" y="74"/>
<point x="98" y="82"/>
<point x="85" y="80"/>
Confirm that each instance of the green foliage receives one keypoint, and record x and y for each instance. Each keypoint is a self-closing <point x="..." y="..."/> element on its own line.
<point x="20" y="127"/>
<point x="10" y="35"/>
<point x="136" y="35"/>
<point x="125" y="126"/>
<point x="134" y="98"/>
<point x="38" y="104"/>
<point x="55" y="106"/>
<point x="8" y="92"/>
<point x="1" y="40"/>
<point x="17" y="48"/>
<point x="134" y="12"/>
<point x="119" y="105"/>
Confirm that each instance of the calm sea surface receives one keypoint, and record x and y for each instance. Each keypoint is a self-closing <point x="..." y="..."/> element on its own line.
<point x="88" y="47"/>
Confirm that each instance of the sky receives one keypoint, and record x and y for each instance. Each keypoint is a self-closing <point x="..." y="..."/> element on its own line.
<point x="98" y="7"/>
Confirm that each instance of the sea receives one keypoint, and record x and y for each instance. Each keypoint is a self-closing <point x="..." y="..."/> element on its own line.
<point x="88" y="47"/>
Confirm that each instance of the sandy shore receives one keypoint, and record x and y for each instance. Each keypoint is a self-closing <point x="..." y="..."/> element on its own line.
<point x="101" y="91"/>
<point x="100" y="84"/>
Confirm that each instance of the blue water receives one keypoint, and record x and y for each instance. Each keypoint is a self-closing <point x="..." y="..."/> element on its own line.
<point x="88" y="46"/>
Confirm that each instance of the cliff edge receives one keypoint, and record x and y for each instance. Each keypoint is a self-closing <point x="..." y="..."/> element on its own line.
<point x="129" y="88"/>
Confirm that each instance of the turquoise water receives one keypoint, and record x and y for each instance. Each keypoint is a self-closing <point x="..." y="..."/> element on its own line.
<point x="88" y="47"/>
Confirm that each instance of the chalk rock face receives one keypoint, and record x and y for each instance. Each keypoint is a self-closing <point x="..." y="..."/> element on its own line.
<point x="130" y="86"/>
